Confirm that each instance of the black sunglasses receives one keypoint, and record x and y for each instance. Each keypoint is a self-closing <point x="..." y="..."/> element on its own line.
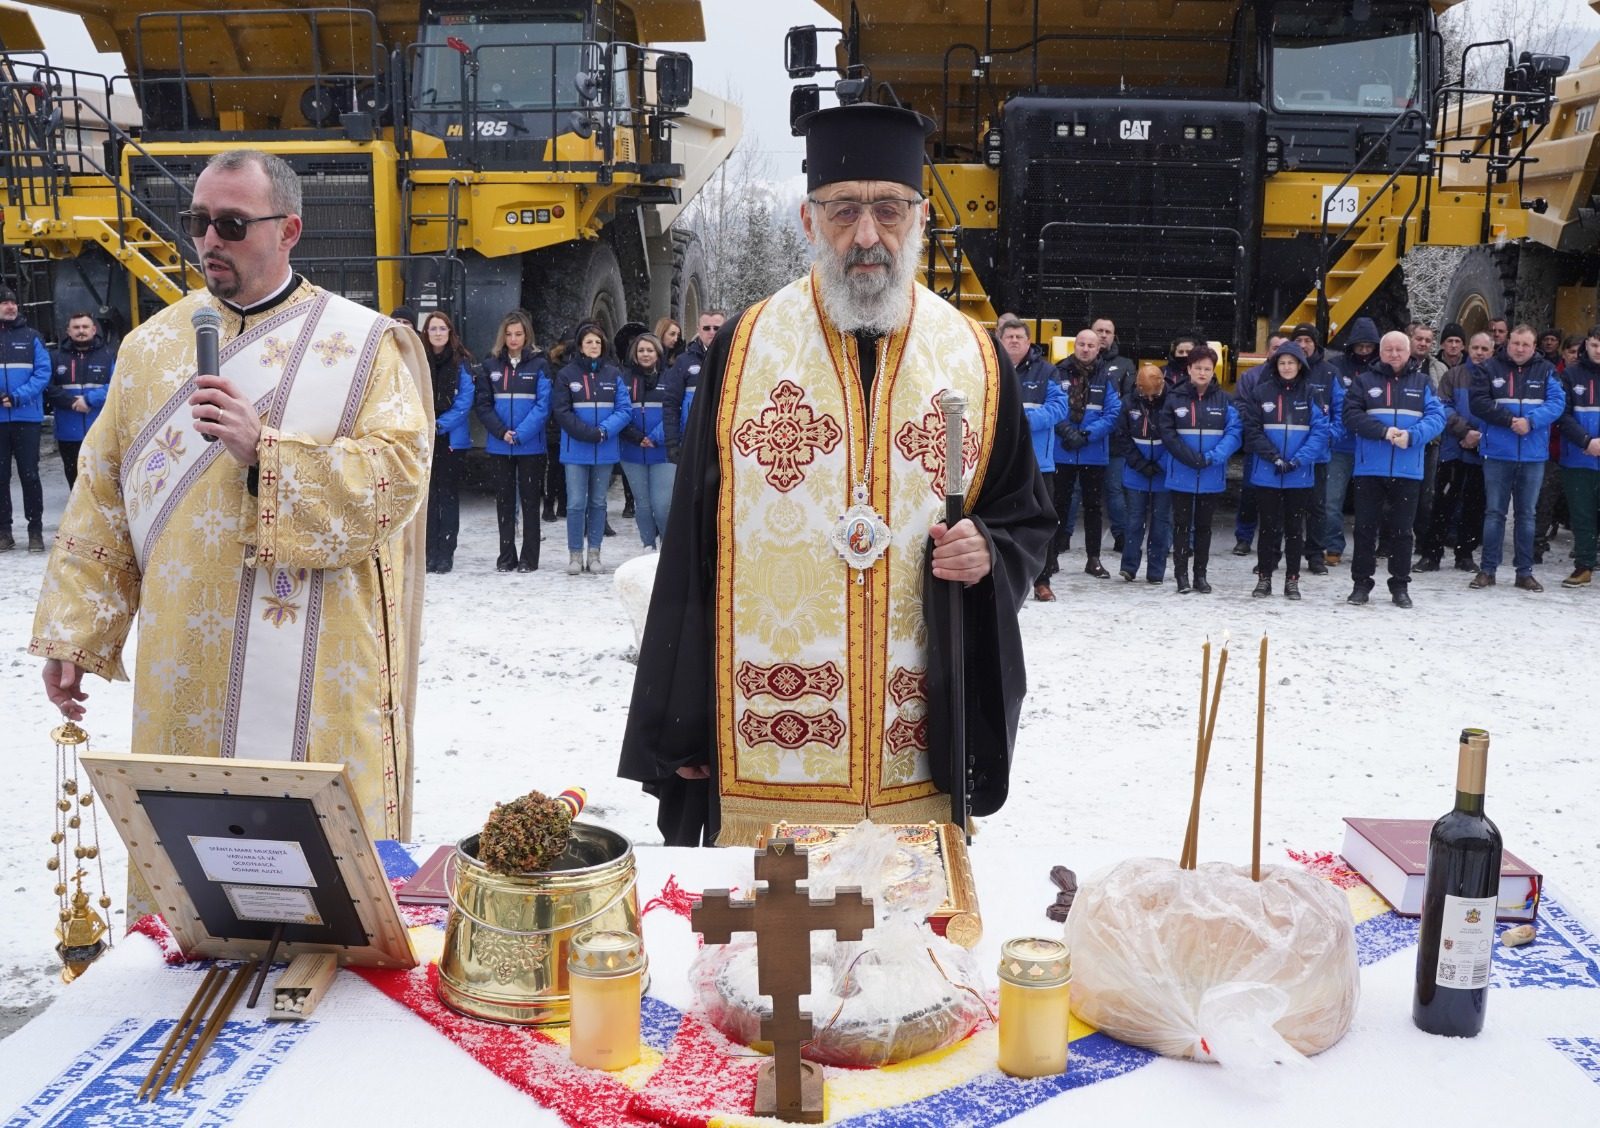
<point x="230" y="228"/>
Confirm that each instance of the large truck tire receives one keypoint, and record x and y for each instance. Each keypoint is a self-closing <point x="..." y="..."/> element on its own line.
<point x="1483" y="288"/>
<point x="688" y="280"/>
<point x="574" y="283"/>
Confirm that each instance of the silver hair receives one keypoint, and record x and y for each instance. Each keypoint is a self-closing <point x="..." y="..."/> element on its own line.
<point x="867" y="303"/>
<point x="283" y="182"/>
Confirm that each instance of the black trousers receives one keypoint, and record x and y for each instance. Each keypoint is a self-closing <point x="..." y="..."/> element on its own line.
<point x="19" y="443"/>
<point x="1317" y="512"/>
<point x="1430" y="475"/>
<point x="1193" y="511"/>
<point x="444" y="506"/>
<point x="1458" y="506"/>
<point x="1050" y="557"/>
<point x="1386" y="507"/>
<point x="1283" y="529"/>
<point x="69" y="459"/>
<point x="516" y="474"/>
<point x="1092" y="480"/>
<point x="555" y="479"/>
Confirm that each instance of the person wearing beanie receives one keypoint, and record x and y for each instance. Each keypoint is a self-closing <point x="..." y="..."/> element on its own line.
<point x="24" y="376"/>
<point x="1579" y="426"/>
<point x="1452" y="345"/>
<point x="1286" y="430"/>
<point x="1360" y="353"/>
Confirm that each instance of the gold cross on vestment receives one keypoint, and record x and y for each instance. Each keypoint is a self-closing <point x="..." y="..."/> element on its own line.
<point x="783" y="918"/>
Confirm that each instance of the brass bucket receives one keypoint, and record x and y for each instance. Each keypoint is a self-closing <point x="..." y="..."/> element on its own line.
<point x="505" y="945"/>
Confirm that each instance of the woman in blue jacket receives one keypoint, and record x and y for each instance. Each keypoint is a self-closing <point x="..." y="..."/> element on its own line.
<point x="1199" y="431"/>
<point x="450" y="366"/>
<point x="513" y="403"/>
<point x="644" y="440"/>
<point x="1144" y="479"/>
<point x="1286" y="430"/>
<point x="591" y="404"/>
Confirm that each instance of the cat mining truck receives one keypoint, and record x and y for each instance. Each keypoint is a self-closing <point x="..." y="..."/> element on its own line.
<point x="472" y="156"/>
<point x="1214" y="166"/>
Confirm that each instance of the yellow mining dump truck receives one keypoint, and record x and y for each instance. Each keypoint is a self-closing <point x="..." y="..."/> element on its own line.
<point x="469" y="155"/>
<point x="1548" y="278"/>
<point x="1226" y="166"/>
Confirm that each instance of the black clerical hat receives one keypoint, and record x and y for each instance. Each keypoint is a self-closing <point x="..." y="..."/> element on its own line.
<point x="864" y="141"/>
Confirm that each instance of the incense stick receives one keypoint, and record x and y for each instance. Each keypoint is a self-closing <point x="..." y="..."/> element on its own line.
<point x="208" y="990"/>
<point x="1184" y="861"/>
<point x="183" y="1023"/>
<point x="1261" y="755"/>
<point x="1205" y="757"/>
<point x="215" y="1023"/>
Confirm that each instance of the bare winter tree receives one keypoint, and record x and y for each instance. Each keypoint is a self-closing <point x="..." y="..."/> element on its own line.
<point x="749" y="233"/>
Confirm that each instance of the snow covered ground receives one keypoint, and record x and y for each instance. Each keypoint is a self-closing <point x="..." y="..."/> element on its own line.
<point x="526" y="680"/>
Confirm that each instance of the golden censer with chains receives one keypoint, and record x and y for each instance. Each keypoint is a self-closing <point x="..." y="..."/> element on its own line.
<point x="82" y="935"/>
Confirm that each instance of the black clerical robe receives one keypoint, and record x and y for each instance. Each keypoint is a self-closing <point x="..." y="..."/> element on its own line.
<point x="670" y="722"/>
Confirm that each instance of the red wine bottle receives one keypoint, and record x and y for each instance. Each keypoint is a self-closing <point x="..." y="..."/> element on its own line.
<point x="1458" y="905"/>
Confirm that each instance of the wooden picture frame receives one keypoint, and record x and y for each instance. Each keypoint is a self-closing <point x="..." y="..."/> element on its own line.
<point x="300" y="811"/>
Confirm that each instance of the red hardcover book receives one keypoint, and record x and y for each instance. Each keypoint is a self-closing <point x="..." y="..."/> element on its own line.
<point x="427" y="886"/>
<point x="1392" y="854"/>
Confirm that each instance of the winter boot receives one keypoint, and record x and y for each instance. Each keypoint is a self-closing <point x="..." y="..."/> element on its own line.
<point x="1180" y="572"/>
<point x="1200" y="584"/>
<point x="1358" y="594"/>
<point x="1096" y="569"/>
<point x="1429" y="563"/>
<point x="1241" y="548"/>
<point x="574" y="563"/>
<point x="1464" y="561"/>
<point x="7" y="541"/>
<point x="548" y="513"/>
<point x="592" y="565"/>
<point x="1263" y="589"/>
<point x="35" y="540"/>
<point x="1317" y="566"/>
<point x="1291" y="588"/>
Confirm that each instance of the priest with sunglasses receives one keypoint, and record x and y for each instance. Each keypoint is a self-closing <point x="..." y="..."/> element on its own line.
<point x="258" y="523"/>
<point x="795" y="659"/>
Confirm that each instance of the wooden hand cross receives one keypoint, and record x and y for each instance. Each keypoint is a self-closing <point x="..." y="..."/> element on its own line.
<point x="783" y="919"/>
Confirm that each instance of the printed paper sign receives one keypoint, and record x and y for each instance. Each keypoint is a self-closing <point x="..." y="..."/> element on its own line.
<point x="1341" y="206"/>
<point x="254" y="861"/>
<point x="273" y="904"/>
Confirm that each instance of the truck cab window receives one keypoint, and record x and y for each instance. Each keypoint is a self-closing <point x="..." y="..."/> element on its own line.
<point x="527" y="60"/>
<point x="1325" y="61"/>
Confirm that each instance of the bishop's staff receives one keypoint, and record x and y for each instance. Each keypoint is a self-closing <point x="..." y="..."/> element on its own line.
<point x="953" y="405"/>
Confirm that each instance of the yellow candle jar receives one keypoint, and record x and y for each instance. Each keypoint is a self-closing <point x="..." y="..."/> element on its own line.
<point x="606" y="973"/>
<point x="1035" y="978"/>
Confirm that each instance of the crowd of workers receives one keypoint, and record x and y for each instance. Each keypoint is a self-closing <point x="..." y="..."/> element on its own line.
<point x="1434" y="443"/>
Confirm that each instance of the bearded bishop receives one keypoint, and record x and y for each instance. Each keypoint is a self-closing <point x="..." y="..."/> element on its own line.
<point x="795" y="661"/>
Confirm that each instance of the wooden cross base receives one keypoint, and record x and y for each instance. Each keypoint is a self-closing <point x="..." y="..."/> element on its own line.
<point x="810" y="1110"/>
<point x="783" y="919"/>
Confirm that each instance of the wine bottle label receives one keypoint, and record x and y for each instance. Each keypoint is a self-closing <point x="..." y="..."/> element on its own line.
<point x="1466" y="939"/>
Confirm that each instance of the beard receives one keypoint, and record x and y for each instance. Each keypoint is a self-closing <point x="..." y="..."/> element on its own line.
<point x="228" y="285"/>
<point x="877" y="301"/>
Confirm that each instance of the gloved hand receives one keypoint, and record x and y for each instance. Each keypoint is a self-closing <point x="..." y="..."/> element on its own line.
<point x="1073" y="438"/>
<point x="1281" y="466"/>
<point x="1150" y="469"/>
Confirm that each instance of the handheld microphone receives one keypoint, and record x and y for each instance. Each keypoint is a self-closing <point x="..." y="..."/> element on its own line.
<point x="207" y="324"/>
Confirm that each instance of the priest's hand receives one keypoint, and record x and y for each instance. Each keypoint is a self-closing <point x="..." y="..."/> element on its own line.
<point x="695" y="771"/>
<point x="960" y="553"/>
<point x="63" y="683"/>
<point x="222" y="413"/>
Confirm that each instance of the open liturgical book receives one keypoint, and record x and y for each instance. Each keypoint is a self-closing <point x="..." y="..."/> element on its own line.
<point x="1392" y="854"/>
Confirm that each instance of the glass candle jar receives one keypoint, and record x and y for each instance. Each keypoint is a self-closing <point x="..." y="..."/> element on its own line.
<point x="605" y="971"/>
<point x="1035" y="978"/>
